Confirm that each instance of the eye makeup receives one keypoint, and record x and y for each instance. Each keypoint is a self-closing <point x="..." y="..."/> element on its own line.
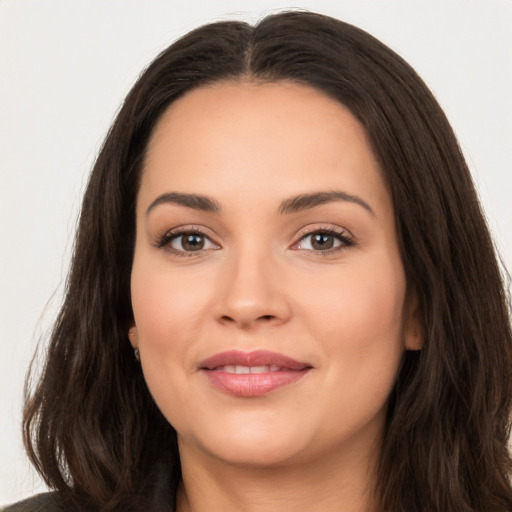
<point x="192" y="240"/>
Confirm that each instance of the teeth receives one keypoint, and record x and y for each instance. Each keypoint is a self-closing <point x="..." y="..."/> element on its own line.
<point x="241" y="370"/>
<point x="259" y="369"/>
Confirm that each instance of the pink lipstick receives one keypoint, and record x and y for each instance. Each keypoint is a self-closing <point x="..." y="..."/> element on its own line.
<point x="250" y="374"/>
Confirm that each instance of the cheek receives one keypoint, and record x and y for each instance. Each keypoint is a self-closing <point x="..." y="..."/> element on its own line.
<point x="166" y="306"/>
<point x="357" y="318"/>
<point x="375" y="304"/>
<point x="365" y="299"/>
<point x="166" y="310"/>
<point x="361" y="321"/>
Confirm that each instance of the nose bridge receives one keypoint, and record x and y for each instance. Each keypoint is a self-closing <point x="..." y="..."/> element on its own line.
<point x="251" y="288"/>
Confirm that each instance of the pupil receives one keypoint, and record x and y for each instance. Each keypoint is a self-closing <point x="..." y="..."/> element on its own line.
<point x="322" y="241"/>
<point x="193" y="242"/>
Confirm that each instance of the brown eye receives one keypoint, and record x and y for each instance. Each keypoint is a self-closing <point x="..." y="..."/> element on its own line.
<point x="193" y="242"/>
<point x="189" y="242"/>
<point x="325" y="241"/>
<point x="322" y="242"/>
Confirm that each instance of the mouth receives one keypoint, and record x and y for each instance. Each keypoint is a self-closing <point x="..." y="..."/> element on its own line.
<point x="251" y="374"/>
<point x="244" y="370"/>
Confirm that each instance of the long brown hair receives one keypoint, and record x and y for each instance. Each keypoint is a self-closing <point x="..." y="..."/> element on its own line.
<point x="91" y="427"/>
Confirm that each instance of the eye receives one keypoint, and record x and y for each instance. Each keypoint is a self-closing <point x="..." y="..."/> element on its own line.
<point x="324" y="240"/>
<point x="183" y="242"/>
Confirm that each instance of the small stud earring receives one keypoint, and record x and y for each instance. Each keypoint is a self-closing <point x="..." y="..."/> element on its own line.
<point x="131" y="333"/>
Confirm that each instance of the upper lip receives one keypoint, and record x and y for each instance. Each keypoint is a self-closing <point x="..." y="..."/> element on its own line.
<point x="254" y="358"/>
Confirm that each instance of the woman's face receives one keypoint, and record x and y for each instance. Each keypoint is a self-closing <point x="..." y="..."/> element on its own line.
<point x="267" y="287"/>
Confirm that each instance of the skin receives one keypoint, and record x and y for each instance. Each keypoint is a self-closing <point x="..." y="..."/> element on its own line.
<point x="257" y="283"/>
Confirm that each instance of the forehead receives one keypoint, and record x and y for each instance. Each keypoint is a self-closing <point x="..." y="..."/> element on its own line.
<point x="271" y="138"/>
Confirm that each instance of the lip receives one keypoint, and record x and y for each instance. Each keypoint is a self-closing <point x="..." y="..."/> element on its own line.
<point x="279" y="371"/>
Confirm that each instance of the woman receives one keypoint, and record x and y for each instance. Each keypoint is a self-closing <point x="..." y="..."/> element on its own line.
<point x="283" y="295"/>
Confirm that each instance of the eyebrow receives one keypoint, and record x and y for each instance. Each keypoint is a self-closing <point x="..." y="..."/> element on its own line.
<point x="307" y="201"/>
<point x="194" y="201"/>
<point x="291" y="205"/>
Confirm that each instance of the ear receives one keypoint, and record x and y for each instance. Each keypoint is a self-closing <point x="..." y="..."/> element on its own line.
<point x="133" y="336"/>
<point x="414" y="328"/>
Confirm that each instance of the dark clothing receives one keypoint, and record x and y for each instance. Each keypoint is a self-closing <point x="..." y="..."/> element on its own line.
<point x="46" y="502"/>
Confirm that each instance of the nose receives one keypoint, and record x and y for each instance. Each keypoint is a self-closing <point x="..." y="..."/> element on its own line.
<point x="252" y="293"/>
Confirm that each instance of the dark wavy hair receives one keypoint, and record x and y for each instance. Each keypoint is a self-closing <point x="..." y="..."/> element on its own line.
<point x="90" y="425"/>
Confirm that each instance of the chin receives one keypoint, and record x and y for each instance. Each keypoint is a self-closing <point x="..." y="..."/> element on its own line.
<point x="251" y="444"/>
<point x="262" y="455"/>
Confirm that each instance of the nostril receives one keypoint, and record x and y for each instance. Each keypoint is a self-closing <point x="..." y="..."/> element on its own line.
<point x="266" y="317"/>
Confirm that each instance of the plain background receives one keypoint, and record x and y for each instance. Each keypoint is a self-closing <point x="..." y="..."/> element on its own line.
<point x="65" y="67"/>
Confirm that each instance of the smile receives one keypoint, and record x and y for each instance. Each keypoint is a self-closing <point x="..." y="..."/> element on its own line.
<point x="240" y="370"/>
<point x="252" y="374"/>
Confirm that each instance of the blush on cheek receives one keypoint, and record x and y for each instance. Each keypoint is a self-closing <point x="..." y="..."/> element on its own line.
<point x="160" y="307"/>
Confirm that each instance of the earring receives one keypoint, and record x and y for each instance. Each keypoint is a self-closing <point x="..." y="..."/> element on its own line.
<point x="131" y="333"/>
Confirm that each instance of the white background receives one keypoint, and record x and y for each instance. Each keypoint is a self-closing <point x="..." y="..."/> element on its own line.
<point x="65" y="66"/>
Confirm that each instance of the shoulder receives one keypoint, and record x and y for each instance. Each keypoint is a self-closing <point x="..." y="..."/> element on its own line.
<point x="46" y="502"/>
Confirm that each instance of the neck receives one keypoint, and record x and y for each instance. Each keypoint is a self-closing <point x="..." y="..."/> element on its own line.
<point x="333" y="483"/>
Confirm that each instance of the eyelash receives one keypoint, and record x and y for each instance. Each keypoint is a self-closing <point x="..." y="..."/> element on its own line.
<point x="165" y="241"/>
<point x="343" y="236"/>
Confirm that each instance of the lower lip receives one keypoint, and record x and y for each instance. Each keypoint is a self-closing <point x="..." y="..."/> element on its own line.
<point x="253" y="384"/>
